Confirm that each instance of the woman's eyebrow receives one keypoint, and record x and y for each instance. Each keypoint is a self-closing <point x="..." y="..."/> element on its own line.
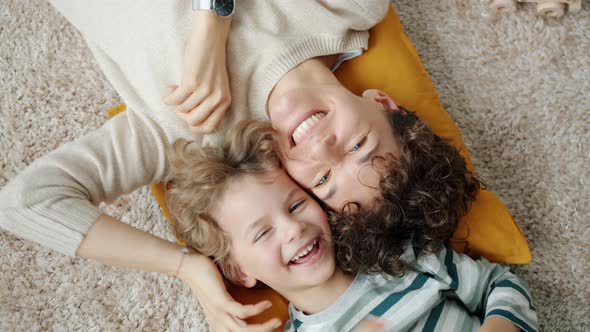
<point x="369" y="154"/>
<point x="359" y="161"/>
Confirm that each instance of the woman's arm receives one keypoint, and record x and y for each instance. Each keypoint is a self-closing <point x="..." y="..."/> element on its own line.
<point x="112" y="242"/>
<point x="203" y="94"/>
<point x="53" y="202"/>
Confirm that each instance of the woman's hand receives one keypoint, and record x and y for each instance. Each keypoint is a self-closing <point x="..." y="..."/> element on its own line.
<point x="203" y="96"/>
<point x="222" y="311"/>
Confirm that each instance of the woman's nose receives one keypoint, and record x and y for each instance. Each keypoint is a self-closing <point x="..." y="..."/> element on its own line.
<point x="325" y="149"/>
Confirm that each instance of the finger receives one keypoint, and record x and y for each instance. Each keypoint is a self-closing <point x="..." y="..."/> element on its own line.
<point x="211" y="123"/>
<point x="239" y="322"/>
<point x="192" y="102"/>
<point x="211" y="102"/>
<point x="247" y="310"/>
<point x="270" y="325"/>
<point x="193" y="118"/>
<point x="171" y="88"/>
<point x="232" y="323"/>
<point x="177" y="96"/>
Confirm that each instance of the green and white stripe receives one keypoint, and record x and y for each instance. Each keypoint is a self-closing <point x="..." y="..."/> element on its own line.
<point x="446" y="291"/>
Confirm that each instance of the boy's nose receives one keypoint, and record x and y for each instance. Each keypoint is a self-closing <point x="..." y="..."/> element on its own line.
<point x="293" y="229"/>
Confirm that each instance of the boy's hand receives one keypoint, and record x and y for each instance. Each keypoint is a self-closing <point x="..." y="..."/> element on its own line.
<point x="499" y="324"/>
<point x="203" y="96"/>
<point x="221" y="310"/>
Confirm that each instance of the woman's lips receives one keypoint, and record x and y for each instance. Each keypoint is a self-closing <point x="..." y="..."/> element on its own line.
<point x="299" y="121"/>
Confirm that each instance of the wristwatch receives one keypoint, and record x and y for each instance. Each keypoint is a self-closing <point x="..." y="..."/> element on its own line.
<point x="222" y="8"/>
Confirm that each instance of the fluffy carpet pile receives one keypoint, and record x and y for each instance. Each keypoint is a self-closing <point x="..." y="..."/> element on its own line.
<point x="517" y="86"/>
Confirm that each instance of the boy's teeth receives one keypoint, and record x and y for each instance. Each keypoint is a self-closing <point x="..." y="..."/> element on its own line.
<point x="304" y="251"/>
<point x="305" y="125"/>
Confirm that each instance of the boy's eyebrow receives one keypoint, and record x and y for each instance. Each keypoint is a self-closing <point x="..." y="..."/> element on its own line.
<point x="263" y="218"/>
<point x="253" y="225"/>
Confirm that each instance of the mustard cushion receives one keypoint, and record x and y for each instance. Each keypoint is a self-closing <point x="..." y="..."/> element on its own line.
<point x="391" y="64"/>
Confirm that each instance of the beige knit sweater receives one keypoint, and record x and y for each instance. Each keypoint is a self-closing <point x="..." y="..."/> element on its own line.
<point x="139" y="46"/>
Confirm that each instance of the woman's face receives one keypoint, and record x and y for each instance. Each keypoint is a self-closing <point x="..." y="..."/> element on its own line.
<point x="327" y="137"/>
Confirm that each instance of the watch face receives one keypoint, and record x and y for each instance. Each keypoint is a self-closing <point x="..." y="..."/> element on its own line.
<point x="224" y="8"/>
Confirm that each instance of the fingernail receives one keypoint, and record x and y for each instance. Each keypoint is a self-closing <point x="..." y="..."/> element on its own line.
<point x="277" y="324"/>
<point x="268" y="305"/>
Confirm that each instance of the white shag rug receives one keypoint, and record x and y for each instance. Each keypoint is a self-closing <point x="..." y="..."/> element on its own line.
<point x="517" y="88"/>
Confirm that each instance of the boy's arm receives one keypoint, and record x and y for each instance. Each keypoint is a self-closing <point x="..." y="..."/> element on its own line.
<point x="499" y="324"/>
<point x="488" y="289"/>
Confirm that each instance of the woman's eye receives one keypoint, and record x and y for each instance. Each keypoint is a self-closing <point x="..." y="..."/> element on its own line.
<point x="323" y="180"/>
<point x="359" y="144"/>
<point x="296" y="206"/>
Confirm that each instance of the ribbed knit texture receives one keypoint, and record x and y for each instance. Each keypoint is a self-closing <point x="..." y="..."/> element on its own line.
<point x="139" y="46"/>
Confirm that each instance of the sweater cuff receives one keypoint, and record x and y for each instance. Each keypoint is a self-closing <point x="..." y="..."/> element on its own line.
<point x="60" y="226"/>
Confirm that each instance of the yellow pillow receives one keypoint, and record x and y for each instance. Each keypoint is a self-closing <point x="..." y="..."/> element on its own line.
<point x="391" y="64"/>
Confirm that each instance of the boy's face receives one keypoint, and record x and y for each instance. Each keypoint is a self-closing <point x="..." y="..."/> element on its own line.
<point x="279" y="234"/>
<point x="328" y="135"/>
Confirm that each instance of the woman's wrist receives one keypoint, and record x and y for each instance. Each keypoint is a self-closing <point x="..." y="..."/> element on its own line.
<point x="209" y="23"/>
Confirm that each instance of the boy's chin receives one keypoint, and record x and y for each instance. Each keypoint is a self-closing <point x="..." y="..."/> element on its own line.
<point x="306" y="280"/>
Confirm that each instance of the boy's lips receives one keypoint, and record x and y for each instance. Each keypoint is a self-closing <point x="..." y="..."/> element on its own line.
<point x="308" y="254"/>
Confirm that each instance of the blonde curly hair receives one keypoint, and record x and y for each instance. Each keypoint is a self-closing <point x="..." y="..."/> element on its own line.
<point x="198" y="178"/>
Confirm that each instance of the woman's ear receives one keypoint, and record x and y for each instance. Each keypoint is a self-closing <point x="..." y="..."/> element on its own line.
<point x="382" y="98"/>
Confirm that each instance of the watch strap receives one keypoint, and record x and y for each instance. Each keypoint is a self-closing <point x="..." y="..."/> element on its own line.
<point x="203" y="5"/>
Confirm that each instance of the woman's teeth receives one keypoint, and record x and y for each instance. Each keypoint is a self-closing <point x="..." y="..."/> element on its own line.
<point x="304" y="252"/>
<point x="302" y="129"/>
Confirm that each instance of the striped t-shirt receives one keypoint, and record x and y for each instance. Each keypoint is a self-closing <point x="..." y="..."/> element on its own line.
<point x="447" y="291"/>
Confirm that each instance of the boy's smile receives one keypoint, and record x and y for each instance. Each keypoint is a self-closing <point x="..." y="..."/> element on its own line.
<point x="279" y="234"/>
<point x="308" y="255"/>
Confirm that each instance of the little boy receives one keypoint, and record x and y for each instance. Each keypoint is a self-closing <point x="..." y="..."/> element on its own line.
<point x="235" y="204"/>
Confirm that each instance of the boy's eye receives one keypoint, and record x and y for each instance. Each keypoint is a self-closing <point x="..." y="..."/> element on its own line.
<point x="324" y="179"/>
<point x="261" y="235"/>
<point x="296" y="206"/>
<point x="359" y="144"/>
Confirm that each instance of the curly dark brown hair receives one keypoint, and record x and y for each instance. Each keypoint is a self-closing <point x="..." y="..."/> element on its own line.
<point x="423" y="194"/>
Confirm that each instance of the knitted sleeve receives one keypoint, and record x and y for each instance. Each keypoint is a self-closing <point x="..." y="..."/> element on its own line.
<point x="371" y="12"/>
<point x="54" y="201"/>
